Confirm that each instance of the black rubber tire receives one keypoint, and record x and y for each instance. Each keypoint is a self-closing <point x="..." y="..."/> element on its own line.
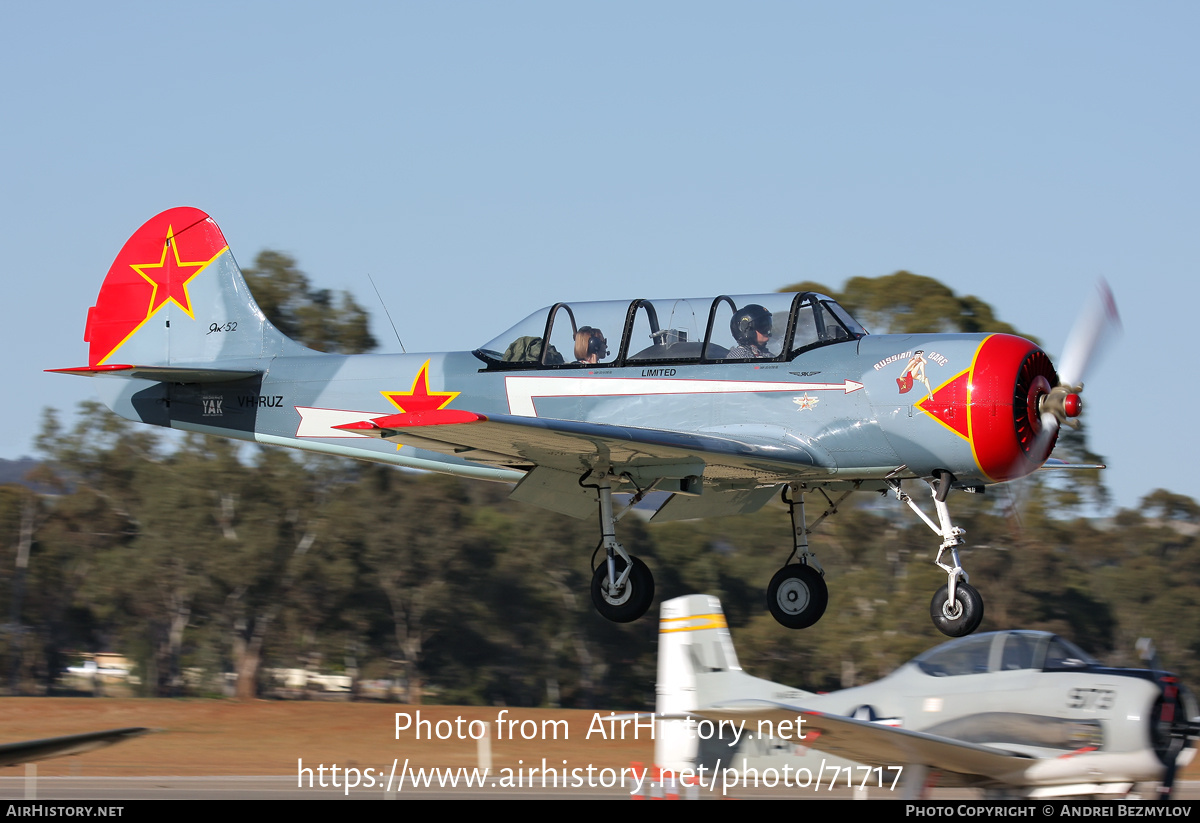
<point x="963" y="617"/>
<point x="797" y="596"/>
<point x="632" y="601"/>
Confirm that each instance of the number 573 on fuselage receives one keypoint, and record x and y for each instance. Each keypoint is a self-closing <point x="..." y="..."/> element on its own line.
<point x="724" y="402"/>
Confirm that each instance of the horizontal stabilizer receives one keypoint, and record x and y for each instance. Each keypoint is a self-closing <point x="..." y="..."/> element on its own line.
<point x="29" y="750"/>
<point x="162" y="374"/>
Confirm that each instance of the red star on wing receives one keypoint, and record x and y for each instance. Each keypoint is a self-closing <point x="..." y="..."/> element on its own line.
<point x="420" y="398"/>
<point x="169" y="276"/>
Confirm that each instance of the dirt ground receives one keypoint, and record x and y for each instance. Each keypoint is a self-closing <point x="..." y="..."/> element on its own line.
<point x="218" y="737"/>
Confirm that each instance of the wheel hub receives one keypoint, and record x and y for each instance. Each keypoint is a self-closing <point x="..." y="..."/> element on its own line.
<point x="793" y="597"/>
<point x="617" y="596"/>
<point x="952" y="611"/>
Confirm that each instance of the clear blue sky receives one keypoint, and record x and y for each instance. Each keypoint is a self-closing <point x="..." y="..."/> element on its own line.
<point x="502" y="156"/>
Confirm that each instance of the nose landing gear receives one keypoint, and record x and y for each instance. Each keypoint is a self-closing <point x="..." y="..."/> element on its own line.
<point x="956" y="608"/>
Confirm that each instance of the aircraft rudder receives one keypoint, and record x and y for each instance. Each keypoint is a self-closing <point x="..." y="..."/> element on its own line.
<point x="692" y="636"/>
<point x="174" y="294"/>
<point x="698" y="668"/>
<point x="686" y="625"/>
<point x="697" y="663"/>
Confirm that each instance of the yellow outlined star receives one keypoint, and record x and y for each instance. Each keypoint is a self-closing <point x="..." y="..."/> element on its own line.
<point x="420" y="398"/>
<point x="173" y="276"/>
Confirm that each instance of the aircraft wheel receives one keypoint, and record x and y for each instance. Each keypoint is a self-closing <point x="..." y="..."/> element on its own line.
<point x="960" y="618"/>
<point x="797" y="596"/>
<point x="631" y="601"/>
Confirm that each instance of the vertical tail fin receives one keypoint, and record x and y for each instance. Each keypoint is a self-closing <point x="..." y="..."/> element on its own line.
<point x="175" y="295"/>
<point x="692" y="637"/>
<point x="697" y="668"/>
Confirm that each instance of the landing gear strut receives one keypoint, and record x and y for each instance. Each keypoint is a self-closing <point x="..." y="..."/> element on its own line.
<point x="622" y="586"/>
<point x="956" y="608"/>
<point x="797" y="595"/>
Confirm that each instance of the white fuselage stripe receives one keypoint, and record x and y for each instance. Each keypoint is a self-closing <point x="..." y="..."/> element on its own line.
<point x="523" y="390"/>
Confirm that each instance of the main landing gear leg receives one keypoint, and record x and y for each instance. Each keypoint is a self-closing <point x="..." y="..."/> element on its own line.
<point x="956" y="608"/>
<point x="622" y="586"/>
<point x="797" y="595"/>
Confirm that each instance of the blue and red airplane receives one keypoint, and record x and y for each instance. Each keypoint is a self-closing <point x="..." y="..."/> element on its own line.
<point x="722" y="402"/>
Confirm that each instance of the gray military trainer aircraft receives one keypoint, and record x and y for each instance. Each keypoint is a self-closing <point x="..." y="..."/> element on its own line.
<point x="723" y="402"/>
<point x="1013" y="712"/>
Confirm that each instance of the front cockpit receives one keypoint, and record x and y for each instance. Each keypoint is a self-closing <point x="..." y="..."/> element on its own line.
<point x="761" y="328"/>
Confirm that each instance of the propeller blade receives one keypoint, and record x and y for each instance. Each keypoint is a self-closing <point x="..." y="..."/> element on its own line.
<point x="1173" y="721"/>
<point x="1044" y="441"/>
<point x="1095" y="324"/>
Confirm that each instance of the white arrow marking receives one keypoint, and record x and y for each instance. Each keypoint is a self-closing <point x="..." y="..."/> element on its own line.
<point x="320" y="422"/>
<point x="523" y="390"/>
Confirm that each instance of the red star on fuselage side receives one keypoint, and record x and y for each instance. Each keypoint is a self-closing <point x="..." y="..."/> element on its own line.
<point x="169" y="276"/>
<point x="420" y="398"/>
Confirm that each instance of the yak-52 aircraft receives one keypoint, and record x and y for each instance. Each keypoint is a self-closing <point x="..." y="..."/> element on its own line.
<point x="724" y="402"/>
<point x="1012" y="712"/>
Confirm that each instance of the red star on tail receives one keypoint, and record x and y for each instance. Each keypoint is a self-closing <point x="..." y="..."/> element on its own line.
<point x="169" y="276"/>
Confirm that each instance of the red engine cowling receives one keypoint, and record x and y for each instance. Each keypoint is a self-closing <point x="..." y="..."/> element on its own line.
<point x="1008" y="378"/>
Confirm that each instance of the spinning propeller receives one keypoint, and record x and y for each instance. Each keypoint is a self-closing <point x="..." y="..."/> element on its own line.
<point x="1172" y="729"/>
<point x="1061" y="404"/>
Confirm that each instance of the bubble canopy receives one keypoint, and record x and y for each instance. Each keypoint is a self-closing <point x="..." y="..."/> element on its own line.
<point x="676" y="331"/>
<point x="1003" y="651"/>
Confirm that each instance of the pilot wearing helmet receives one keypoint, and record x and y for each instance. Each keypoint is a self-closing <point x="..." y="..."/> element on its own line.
<point x="751" y="328"/>
<point x="590" y="345"/>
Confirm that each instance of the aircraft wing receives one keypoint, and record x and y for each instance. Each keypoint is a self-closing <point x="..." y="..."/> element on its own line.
<point x="874" y="744"/>
<point x="12" y="754"/>
<point x="745" y="454"/>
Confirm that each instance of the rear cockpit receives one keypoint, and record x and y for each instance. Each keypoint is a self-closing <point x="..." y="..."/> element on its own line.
<point x="760" y="328"/>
